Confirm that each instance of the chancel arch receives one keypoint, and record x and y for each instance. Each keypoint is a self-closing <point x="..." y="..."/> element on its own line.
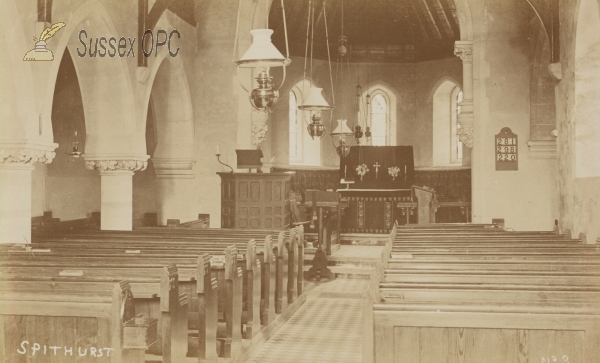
<point x="587" y="90"/>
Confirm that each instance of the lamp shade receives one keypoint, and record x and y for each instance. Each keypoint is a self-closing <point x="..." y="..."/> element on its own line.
<point x="342" y="128"/>
<point x="315" y="101"/>
<point x="262" y="52"/>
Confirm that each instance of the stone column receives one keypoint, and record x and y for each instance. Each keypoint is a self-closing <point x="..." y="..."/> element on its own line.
<point x="15" y="191"/>
<point x="464" y="50"/>
<point x="176" y="190"/>
<point x="116" y="188"/>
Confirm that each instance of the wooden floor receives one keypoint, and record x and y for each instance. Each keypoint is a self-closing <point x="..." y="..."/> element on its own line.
<point x="326" y="329"/>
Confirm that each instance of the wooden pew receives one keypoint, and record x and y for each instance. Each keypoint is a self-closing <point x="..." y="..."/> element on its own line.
<point x="211" y="243"/>
<point x="37" y="320"/>
<point x="166" y="251"/>
<point x="157" y="291"/>
<point x="464" y="299"/>
<point x="482" y="333"/>
<point x="230" y="300"/>
<point x="196" y="281"/>
<point x="286" y="270"/>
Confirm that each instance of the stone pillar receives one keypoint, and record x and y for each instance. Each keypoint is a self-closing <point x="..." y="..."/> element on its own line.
<point x="176" y="190"/>
<point x="116" y="188"/>
<point x="15" y="192"/>
<point x="464" y="50"/>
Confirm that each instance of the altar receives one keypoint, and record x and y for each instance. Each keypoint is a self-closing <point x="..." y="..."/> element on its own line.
<point x="377" y="188"/>
<point x="375" y="210"/>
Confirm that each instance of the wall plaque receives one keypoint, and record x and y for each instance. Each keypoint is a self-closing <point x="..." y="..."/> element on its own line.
<point x="507" y="150"/>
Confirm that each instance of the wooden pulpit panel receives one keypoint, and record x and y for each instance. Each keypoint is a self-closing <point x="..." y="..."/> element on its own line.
<point x="255" y="200"/>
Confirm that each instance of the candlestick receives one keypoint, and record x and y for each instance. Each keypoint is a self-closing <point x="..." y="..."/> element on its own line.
<point x="345" y="168"/>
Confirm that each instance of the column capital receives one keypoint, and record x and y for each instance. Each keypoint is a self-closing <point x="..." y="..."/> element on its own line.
<point x="116" y="165"/>
<point x="464" y="50"/>
<point x="25" y="156"/>
<point x="465" y="134"/>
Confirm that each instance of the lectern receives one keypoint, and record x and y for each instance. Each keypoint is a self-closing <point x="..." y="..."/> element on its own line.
<point x="326" y="205"/>
<point x="427" y="204"/>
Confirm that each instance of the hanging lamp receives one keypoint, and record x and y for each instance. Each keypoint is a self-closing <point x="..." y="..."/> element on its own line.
<point x="342" y="129"/>
<point x="262" y="54"/>
<point x="74" y="147"/>
<point x="315" y="102"/>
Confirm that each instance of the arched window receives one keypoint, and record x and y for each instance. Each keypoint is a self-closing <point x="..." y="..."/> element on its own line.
<point x="447" y="148"/>
<point x="587" y="91"/>
<point x="380" y="102"/>
<point x="303" y="150"/>
<point x="379" y="117"/>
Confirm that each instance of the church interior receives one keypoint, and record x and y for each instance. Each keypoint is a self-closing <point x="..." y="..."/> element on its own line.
<point x="300" y="180"/>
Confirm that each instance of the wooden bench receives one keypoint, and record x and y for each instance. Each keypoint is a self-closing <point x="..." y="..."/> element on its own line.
<point x="133" y="241"/>
<point x="85" y="322"/>
<point x="139" y="259"/>
<point x="156" y="294"/>
<point x="197" y="282"/>
<point x="452" y="300"/>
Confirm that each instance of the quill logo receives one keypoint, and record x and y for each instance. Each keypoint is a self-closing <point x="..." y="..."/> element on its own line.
<point x="40" y="52"/>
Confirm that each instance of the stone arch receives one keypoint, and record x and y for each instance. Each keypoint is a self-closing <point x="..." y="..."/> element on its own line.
<point x="439" y="82"/>
<point x="587" y="90"/>
<point x="168" y="87"/>
<point x="444" y="122"/>
<point x="18" y="87"/>
<point x="106" y="88"/>
<point x="465" y="22"/>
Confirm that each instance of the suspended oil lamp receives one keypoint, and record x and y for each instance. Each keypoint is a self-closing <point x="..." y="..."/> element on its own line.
<point x="316" y="128"/>
<point x="342" y="130"/>
<point x="315" y="103"/>
<point x="264" y="97"/>
<point x="74" y="147"/>
<point x="264" y="55"/>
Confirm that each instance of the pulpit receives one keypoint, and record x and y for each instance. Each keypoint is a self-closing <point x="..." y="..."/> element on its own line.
<point x="255" y="200"/>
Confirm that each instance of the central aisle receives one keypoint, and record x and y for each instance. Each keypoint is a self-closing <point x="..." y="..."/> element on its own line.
<point x="326" y="329"/>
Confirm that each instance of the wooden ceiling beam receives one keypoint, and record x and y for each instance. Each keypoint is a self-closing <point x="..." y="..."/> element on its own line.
<point x="432" y="14"/>
<point x="444" y="21"/>
<point x="451" y="18"/>
<point x="424" y="28"/>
